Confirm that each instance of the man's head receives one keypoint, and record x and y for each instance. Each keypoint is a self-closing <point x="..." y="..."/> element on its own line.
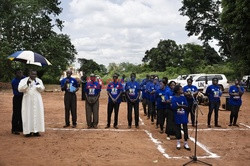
<point x="165" y="80"/>
<point x="123" y="76"/>
<point x="19" y="73"/>
<point x="132" y="76"/>
<point x="215" y="81"/>
<point x="156" y="80"/>
<point x="148" y="76"/>
<point x="237" y="82"/>
<point x="68" y="73"/>
<point x="115" y="77"/>
<point x="152" y="78"/>
<point x="162" y="85"/>
<point x="33" y="74"/>
<point x="92" y="77"/>
<point x="189" y="81"/>
<point x="172" y="84"/>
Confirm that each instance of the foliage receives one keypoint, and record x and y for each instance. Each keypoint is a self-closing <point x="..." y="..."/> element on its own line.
<point x="90" y="66"/>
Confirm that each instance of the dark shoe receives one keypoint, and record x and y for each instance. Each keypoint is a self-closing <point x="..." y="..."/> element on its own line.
<point x="37" y="134"/>
<point x="217" y="125"/>
<point x="67" y="125"/>
<point x="28" y="135"/>
<point x="89" y="127"/>
<point x="230" y="124"/>
<point x="74" y="126"/>
<point x="156" y="127"/>
<point x="152" y="122"/>
<point x="187" y="147"/>
<point x="161" y="131"/>
<point x="129" y="127"/>
<point x="15" y="132"/>
<point x="107" y="127"/>
<point x="236" y="125"/>
<point x="137" y="127"/>
<point x="209" y="126"/>
<point x="193" y="125"/>
<point x="115" y="127"/>
<point x="95" y="127"/>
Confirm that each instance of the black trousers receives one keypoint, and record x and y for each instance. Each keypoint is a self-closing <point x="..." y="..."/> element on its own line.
<point x="83" y="92"/>
<point x="234" y="114"/>
<point x="17" y="124"/>
<point x="161" y="115"/>
<point x="170" y="125"/>
<point x="149" y="107"/>
<point x="191" y="111"/>
<point x="178" y="131"/>
<point x="113" y="106"/>
<point x="213" y="106"/>
<point x="145" y="105"/>
<point x="70" y="106"/>
<point x="136" y="112"/>
<point x="152" y="112"/>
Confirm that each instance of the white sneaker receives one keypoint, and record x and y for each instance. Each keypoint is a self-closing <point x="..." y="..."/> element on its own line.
<point x="186" y="146"/>
<point x="178" y="146"/>
<point x="168" y="138"/>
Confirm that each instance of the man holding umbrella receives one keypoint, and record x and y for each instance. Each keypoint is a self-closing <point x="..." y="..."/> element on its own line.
<point x="70" y="86"/>
<point x="17" y="104"/>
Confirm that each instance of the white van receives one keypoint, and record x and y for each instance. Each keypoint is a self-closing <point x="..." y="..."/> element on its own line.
<point x="200" y="81"/>
<point x="182" y="79"/>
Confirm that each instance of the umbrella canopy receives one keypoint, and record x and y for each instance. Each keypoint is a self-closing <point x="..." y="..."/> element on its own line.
<point x="29" y="57"/>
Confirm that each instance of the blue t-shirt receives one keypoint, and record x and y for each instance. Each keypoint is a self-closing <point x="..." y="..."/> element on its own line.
<point x="213" y="92"/>
<point x="192" y="89"/>
<point x="160" y="95"/>
<point x="133" y="89"/>
<point x="14" y="84"/>
<point x="235" y="100"/>
<point x="147" y="89"/>
<point x="153" y="87"/>
<point x="73" y="84"/>
<point x="92" y="88"/>
<point x="143" y="88"/>
<point x="169" y="96"/>
<point x="180" y="114"/>
<point x="114" y="89"/>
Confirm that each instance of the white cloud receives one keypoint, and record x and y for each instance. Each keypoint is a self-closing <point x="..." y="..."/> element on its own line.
<point x="122" y="30"/>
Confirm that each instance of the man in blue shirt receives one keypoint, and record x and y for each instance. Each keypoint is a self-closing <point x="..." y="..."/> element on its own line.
<point x="17" y="104"/>
<point x="161" y="104"/>
<point x="123" y="82"/>
<point x="70" y="86"/>
<point x="114" y="90"/>
<point x="92" y="91"/>
<point x="133" y="92"/>
<point x="214" y="93"/>
<point x="144" y="94"/>
<point x="235" y="91"/>
<point x="190" y="92"/>
<point x="152" y="89"/>
<point x="148" y="95"/>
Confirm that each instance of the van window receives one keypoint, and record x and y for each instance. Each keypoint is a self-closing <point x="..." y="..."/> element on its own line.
<point x="201" y="78"/>
<point x="219" y="77"/>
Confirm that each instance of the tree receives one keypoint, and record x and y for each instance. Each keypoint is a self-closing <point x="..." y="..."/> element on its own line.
<point x="235" y="19"/>
<point x="90" y="66"/>
<point x="166" y="54"/>
<point x="28" y="25"/>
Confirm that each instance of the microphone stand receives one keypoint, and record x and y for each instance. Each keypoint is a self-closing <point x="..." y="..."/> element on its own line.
<point x="194" y="157"/>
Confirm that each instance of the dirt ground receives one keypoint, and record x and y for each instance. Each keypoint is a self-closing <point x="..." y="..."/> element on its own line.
<point x="145" y="146"/>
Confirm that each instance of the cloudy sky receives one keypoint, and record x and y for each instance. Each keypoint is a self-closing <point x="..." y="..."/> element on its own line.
<point x="122" y="30"/>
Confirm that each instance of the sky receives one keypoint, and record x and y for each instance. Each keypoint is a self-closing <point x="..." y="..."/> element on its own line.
<point x="118" y="31"/>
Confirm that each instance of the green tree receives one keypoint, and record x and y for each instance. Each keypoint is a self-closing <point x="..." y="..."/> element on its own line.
<point x="90" y="66"/>
<point x="166" y="54"/>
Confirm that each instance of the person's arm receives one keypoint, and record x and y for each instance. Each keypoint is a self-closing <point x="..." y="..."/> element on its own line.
<point x="39" y="85"/>
<point x="241" y="90"/>
<point x="23" y="85"/>
<point x="110" y="96"/>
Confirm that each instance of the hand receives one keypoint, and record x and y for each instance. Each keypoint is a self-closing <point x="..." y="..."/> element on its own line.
<point x="67" y="81"/>
<point x="28" y="82"/>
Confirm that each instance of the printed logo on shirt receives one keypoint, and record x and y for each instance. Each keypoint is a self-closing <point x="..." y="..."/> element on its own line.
<point x="114" y="91"/>
<point x="91" y="91"/>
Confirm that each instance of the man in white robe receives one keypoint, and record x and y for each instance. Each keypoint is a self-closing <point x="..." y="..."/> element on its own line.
<point x="32" y="105"/>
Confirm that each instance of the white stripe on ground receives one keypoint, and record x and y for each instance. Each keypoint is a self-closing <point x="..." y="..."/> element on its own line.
<point x="211" y="154"/>
<point x="142" y="123"/>
<point x="245" y="125"/>
<point x="211" y="129"/>
<point x="75" y="129"/>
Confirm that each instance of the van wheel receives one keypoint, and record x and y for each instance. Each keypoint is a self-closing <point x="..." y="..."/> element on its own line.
<point x="221" y="87"/>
